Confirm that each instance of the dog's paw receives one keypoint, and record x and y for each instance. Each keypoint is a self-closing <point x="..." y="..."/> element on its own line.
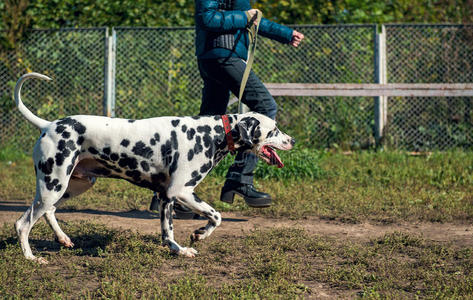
<point x="188" y="252"/>
<point x="66" y="242"/>
<point x="198" y="235"/>
<point x="38" y="260"/>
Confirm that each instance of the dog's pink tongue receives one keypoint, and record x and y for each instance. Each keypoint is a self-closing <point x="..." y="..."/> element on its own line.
<point x="273" y="156"/>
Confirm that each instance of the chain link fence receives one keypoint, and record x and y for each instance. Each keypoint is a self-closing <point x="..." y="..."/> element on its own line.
<point x="73" y="58"/>
<point x="156" y="75"/>
<point x="429" y="54"/>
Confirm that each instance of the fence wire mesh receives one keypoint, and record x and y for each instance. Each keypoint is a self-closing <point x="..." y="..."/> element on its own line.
<point x="429" y="54"/>
<point x="75" y="61"/>
<point x="157" y="75"/>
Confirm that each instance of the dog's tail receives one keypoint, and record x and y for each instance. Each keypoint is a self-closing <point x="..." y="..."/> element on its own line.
<point x="33" y="119"/>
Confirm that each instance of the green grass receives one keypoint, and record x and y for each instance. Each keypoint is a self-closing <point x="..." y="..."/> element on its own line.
<point x="376" y="186"/>
<point x="268" y="264"/>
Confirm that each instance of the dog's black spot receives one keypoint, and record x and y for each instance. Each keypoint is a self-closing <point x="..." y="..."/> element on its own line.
<point x="66" y="134"/>
<point x="173" y="166"/>
<point x="195" y="178"/>
<point x="76" y="154"/>
<point x="196" y="117"/>
<point x="61" y="145"/>
<point x="69" y="169"/>
<point x="257" y="134"/>
<point x="114" y="156"/>
<point x="129" y="162"/>
<point x="209" y="153"/>
<point x="125" y="143"/>
<point x="104" y="157"/>
<point x="59" y="159"/>
<point x="60" y="128"/>
<point x="50" y="185"/>
<point x="156" y="179"/>
<point x="174" y="140"/>
<point x="71" y="145"/>
<point x="145" y="166"/>
<point x="207" y="140"/>
<point x="196" y="199"/>
<point x="58" y="187"/>
<point x="218" y="129"/>
<point x="157" y="137"/>
<point x="204" y="129"/>
<point x="66" y="196"/>
<point x="175" y="122"/>
<point x="93" y="150"/>
<point x="107" y="150"/>
<point x="79" y="128"/>
<point x="206" y="167"/>
<point x="190" y="154"/>
<point x="152" y="142"/>
<point x="198" y="146"/>
<point x="80" y="140"/>
<point x="131" y="121"/>
<point x="66" y="152"/>
<point x="135" y="174"/>
<point x="217" y="118"/>
<point x="184" y="128"/>
<point x="190" y="134"/>
<point x="166" y="153"/>
<point x="47" y="166"/>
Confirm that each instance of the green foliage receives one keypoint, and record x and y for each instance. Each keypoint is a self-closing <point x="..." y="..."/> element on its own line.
<point x="366" y="11"/>
<point x="300" y="163"/>
<point x="11" y="153"/>
<point x="79" y="13"/>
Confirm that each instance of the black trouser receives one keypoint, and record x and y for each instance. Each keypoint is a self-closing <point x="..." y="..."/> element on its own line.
<point x="222" y="76"/>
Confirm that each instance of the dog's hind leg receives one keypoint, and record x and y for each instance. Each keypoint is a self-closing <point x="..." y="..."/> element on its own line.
<point x="43" y="202"/>
<point x="167" y="230"/>
<point x="75" y="187"/>
<point x="193" y="202"/>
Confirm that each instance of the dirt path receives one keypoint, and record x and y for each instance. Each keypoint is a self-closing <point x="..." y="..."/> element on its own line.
<point x="237" y="225"/>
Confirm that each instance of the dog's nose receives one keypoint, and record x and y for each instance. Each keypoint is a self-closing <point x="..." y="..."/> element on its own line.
<point x="293" y="141"/>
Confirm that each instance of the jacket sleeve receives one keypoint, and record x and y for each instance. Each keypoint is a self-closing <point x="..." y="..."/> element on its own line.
<point x="275" y="31"/>
<point x="208" y="17"/>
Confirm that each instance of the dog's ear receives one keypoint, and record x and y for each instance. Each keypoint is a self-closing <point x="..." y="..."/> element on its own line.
<point x="245" y="131"/>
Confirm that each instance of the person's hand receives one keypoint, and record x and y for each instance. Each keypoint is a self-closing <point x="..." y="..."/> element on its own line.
<point x="297" y="37"/>
<point x="251" y="13"/>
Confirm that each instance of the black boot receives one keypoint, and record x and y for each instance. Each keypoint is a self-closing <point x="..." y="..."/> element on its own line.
<point x="252" y="197"/>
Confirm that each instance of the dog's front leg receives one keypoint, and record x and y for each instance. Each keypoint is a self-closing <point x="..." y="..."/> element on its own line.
<point x="167" y="232"/>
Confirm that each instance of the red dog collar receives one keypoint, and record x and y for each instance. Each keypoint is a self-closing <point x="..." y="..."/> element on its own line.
<point x="228" y="133"/>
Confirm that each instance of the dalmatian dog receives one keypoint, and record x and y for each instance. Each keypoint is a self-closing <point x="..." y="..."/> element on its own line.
<point x="168" y="155"/>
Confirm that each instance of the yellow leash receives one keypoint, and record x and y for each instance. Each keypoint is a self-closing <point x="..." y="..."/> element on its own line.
<point x="252" y="36"/>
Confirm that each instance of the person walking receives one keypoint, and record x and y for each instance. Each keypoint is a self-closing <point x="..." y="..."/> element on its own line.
<point x="221" y="48"/>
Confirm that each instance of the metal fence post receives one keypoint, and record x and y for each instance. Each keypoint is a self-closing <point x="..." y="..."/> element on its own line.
<point x="381" y="102"/>
<point x="109" y="95"/>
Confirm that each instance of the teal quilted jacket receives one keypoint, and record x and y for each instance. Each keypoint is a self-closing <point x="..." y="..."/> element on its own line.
<point x="220" y="29"/>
